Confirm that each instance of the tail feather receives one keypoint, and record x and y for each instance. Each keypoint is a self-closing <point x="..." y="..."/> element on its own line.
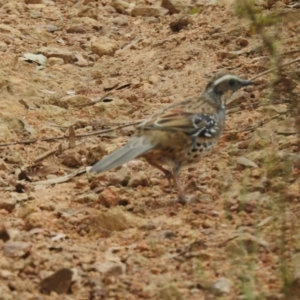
<point x="134" y="148"/>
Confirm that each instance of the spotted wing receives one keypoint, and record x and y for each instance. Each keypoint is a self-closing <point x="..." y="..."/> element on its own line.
<point x="179" y="120"/>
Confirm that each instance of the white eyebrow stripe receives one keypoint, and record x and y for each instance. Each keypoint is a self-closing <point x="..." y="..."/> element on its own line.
<point x="225" y="77"/>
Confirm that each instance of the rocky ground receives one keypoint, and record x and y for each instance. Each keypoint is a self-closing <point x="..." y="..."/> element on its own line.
<point x="70" y="68"/>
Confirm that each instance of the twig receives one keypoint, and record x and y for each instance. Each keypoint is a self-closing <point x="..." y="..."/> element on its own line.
<point x="46" y="154"/>
<point x="290" y="52"/>
<point x="92" y="103"/>
<point x="72" y="137"/>
<point x="273" y="69"/>
<point x="258" y="125"/>
<point x="66" y="136"/>
<point x="61" y="178"/>
<point x="228" y="240"/>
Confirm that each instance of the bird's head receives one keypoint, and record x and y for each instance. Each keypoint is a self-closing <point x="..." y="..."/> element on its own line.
<point x="220" y="89"/>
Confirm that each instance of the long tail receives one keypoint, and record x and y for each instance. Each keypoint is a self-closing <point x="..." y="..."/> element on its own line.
<point x="134" y="148"/>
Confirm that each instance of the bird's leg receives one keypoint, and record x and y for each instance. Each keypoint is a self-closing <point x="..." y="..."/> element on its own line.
<point x="167" y="173"/>
<point x="181" y="196"/>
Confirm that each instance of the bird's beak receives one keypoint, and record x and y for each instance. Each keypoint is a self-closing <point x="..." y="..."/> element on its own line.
<point x="247" y="82"/>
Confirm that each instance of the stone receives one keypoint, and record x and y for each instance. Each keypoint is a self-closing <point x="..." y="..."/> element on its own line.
<point x="174" y="6"/>
<point x="148" y="11"/>
<point x="70" y="101"/>
<point x="222" y="286"/>
<point x="121" y="6"/>
<point x="86" y="21"/>
<point x="121" y="177"/>
<point x="55" y="61"/>
<point x="86" y="198"/>
<point x="19" y="197"/>
<point x="103" y="46"/>
<point x="108" y="198"/>
<point x="76" y="29"/>
<point x="52" y="111"/>
<point x="3" y="166"/>
<point x="4" y="236"/>
<point x="246" y="162"/>
<point x="59" y="282"/>
<point x="95" y="154"/>
<point x="169" y="292"/>
<point x="10" y="30"/>
<point x="16" y="248"/>
<point x="138" y="179"/>
<point x="111" y="220"/>
<point x="72" y="159"/>
<point x="65" y="54"/>
<point x="110" y="268"/>
<point x="242" y="42"/>
<point x="3" y="46"/>
<point x="181" y="22"/>
<point x="34" y="220"/>
<point x="8" y="204"/>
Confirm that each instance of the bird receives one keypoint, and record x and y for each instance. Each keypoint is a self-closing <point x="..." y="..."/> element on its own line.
<point x="180" y="134"/>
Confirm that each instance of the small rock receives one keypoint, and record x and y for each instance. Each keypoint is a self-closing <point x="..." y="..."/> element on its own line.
<point x="6" y="274"/>
<point x="88" y="11"/>
<point x="110" y="268"/>
<point x="88" y="22"/>
<point x="35" y="14"/>
<point x="152" y="20"/>
<point x="121" y="6"/>
<point x="52" y="111"/>
<point x="108" y="198"/>
<point x="19" y="197"/>
<point x="112" y="220"/>
<point x="174" y="6"/>
<point x="13" y="7"/>
<point x="10" y="30"/>
<point x="170" y="292"/>
<point x="154" y="79"/>
<point x="76" y="29"/>
<point x="121" y="177"/>
<point x="86" y="198"/>
<point x="143" y="246"/>
<point x="181" y="22"/>
<point x="208" y="224"/>
<point x="34" y="220"/>
<point x="242" y="42"/>
<point x="72" y="159"/>
<point x="55" y="61"/>
<point x="103" y="46"/>
<point x="95" y="154"/>
<point x="3" y="46"/>
<point x="15" y="157"/>
<point x="121" y="21"/>
<point x="58" y="282"/>
<point x="68" y="101"/>
<point x="138" y="179"/>
<point x="3" y="166"/>
<point x="16" y="248"/>
<point x="5" y="133"/>
<point x="148" y="11"/>
<point x="66" y="55"/>
<point x="8" y="204"/>
<point x="4" y="236"/>
<point x="50" y="27"/>
<point x="222" y="286"/>
<point x="246" y="162"/>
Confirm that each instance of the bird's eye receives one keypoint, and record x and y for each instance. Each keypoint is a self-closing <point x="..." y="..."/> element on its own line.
<point x="231" y="82"/>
